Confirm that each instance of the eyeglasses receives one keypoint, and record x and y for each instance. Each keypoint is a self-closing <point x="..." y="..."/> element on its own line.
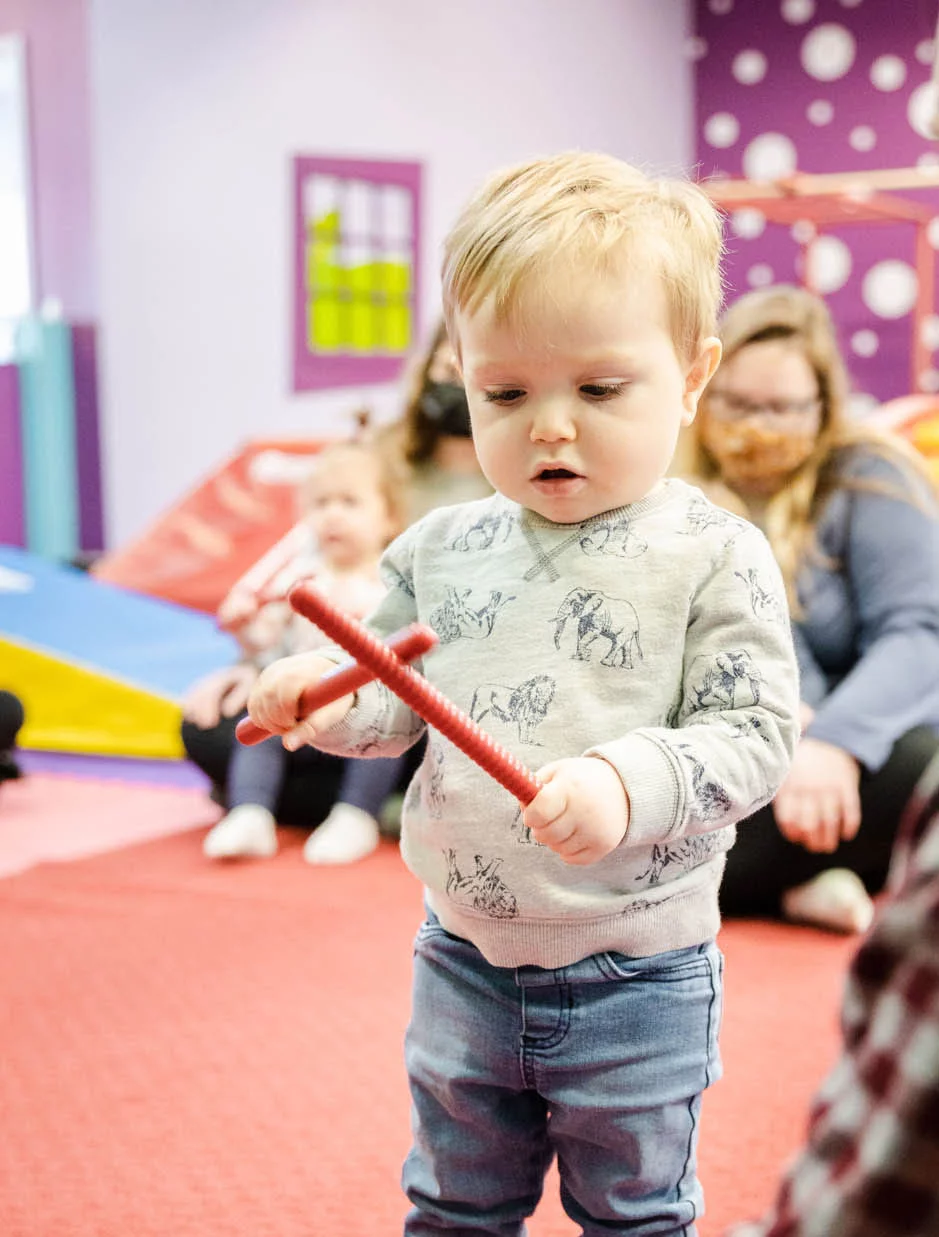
<point x="729" y="407"/>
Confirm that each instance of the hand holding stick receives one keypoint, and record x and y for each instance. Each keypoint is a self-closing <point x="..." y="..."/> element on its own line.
<point x="379" y="661"/>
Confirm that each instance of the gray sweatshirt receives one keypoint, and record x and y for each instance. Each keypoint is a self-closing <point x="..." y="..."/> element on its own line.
<point x="655" y="637"/>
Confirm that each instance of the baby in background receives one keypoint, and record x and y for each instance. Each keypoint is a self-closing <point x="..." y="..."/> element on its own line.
<point x="351" y="508"/>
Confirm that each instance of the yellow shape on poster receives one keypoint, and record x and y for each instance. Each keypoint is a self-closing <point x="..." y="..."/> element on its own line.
<point x="71" y="708"/>
<point x="324" y="317"/>
<point x="397" y="322"/>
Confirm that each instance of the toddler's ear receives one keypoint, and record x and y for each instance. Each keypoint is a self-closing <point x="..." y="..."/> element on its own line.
<point x="699" y="374"/>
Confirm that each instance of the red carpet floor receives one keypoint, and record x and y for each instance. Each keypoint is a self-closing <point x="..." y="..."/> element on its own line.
<point x="194" y="1050"/>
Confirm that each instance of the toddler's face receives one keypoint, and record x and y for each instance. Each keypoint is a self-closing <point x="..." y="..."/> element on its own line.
<point x="578" y="399"/>
<point x="347" y="511"/>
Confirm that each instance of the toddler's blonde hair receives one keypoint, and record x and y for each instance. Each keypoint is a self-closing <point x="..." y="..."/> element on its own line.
<point x="589" y="208"/>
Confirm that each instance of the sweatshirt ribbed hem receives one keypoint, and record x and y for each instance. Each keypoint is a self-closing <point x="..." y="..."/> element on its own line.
<point x="666" y="918"/>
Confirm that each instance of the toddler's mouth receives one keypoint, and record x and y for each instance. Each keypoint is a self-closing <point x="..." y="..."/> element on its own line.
<point x="555" y="474"/>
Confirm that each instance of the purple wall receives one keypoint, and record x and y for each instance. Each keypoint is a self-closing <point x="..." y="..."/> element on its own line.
<point x="824" y="86"/>
<point x="56" y="34"/>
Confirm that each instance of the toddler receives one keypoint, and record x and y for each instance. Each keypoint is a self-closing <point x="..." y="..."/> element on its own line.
<point x="351" y="503"/>
<point x="613" y="629"/>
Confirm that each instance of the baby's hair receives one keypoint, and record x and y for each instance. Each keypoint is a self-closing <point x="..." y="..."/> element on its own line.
<point x="391" y="479"/>
<point x="586" y="208"/>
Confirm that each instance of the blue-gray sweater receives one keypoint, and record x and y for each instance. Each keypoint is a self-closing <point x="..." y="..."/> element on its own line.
<point x="868" y="640"/>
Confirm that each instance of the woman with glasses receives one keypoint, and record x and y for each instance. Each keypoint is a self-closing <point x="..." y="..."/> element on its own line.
<point x="853" y="519"/>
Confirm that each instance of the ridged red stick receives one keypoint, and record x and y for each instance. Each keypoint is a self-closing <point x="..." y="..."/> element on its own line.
<point x="421" y="696"/>
<point x="406" y="644"/>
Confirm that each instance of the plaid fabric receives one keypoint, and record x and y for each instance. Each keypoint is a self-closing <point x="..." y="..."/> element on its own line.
<point x="870" y="1167"/>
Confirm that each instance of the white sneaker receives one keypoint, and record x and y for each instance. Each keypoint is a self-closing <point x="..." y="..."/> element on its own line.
<point x="345" y="836"/>
<point x="249" y="831"/>
<point x="835" y="899"/>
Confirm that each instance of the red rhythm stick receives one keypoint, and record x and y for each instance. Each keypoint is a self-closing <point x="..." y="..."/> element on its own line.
<point x="407" y="644"/>
<point x="426" y="701"/>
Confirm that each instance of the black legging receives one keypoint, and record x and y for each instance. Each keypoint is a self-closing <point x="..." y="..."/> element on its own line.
<point x="11" y="719"/>
<point x="311" y="783"/>
<point x="762" y="864"/>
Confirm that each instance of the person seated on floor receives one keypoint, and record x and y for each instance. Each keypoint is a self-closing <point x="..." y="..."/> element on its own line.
<point x="852" y="517"/>
<point x="431" y="446"/>
<point x="352" y="510"/>
<point x="868" y="1165"/>
<point x="12" y="717"/>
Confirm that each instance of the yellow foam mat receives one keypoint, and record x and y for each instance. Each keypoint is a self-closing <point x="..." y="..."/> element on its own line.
<point x="73" y="708"/>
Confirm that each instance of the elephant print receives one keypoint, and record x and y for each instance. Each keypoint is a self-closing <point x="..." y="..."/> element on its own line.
<point x="525" y="707"/>
<point x="484" y="533"/>
<point x="614" y="537"/>
<point x="765" y="605"/>
<point x="724" y="681"/>
<point x="455" y="617"/>
<point x="482" y="890"/>
<point x="595" y="616"/>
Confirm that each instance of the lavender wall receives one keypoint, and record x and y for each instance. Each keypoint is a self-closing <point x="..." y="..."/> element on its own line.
<point x="825" y="86"/>
<point x="199" y="107"/>
<point x="56" y="33"/>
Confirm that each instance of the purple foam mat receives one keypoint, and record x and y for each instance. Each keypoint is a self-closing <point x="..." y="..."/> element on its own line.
<point x="178" y="773"/>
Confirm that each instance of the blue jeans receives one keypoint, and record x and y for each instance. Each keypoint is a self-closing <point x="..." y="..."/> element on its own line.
<point x="601" y="1063"/>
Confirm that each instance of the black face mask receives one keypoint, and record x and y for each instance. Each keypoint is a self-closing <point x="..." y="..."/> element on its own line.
<point x="444" y="404"/>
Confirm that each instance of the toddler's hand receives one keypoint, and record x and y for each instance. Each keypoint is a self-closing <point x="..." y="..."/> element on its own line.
<point x="581" y="811"/>
<point x="274" y="703"/>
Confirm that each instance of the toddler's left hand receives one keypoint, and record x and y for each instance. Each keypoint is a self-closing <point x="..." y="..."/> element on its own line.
<point x="581" y="811"/>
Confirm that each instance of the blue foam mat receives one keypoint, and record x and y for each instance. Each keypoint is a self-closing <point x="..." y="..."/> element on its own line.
<point x="154" y="644"/>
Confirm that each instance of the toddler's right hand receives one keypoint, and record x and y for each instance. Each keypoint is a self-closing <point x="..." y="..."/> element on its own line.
<point x="274" y="703"/>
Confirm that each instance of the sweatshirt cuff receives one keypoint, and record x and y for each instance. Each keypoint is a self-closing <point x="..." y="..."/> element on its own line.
<point x="653" y="782"/>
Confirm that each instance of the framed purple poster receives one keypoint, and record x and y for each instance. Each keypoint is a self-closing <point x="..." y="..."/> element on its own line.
<point x="356" y="270"/>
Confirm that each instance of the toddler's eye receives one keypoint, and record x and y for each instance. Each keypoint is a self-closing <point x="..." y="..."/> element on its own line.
<point x="510" y="395"/>
<point x="602" y="390"/>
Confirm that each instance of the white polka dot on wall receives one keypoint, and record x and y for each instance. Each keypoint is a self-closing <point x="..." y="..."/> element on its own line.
<point x="925" y="51"/>
<point x="889" y="288"/>
<point x="803" y="231"/>
<point x="929" y="332"/>
<point x="862" y="138"/>
<point x="828" y="261"/>
<point x="928" y="380"/>
<point x="929" y="163"/>
<point x="820" y="112"/>
<point x="760" y="276"/>
<point x="861" y="405"/>
<point x="769" y="157"/>
<point x="850" y="4"/>
<point x="888" y="73"/>
<point x="748" y="223"/>
<point x="865" y="343"/>
<point x="827" y="52"/>
<point x="749" y="67"/>
<point x="721" y="7"/>
<point x="797" y="11"/>
<point x="695" y="48"/>
<point x="721" y="130"/>
<point x="932" y="231"/>
<point x="921" y="108"/>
